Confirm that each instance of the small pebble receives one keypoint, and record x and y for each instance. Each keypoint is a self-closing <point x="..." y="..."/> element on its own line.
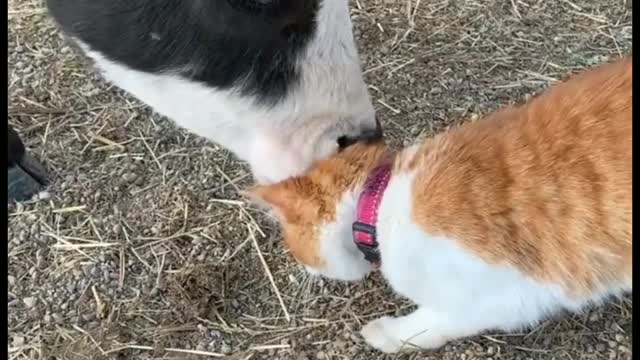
<point x="225" y="348"/>
<point x="44" y="195"/>
<point x="57" y="318"/>
<point x="30" y="302"/>
<point x="18" y="340"/>
<point x="623" y="349"/>
<point x="320" y="355"/>
<point x="93" y="325"/>
<point x="106" y="275"/>
<point x="129" y="177"/>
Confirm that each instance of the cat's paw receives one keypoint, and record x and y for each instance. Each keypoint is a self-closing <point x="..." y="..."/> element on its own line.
<point x="378" y="334"/>
<point x="392" y="335"/>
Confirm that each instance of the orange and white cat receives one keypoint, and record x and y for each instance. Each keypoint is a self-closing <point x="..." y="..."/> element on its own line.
<point x="493" y="225"/>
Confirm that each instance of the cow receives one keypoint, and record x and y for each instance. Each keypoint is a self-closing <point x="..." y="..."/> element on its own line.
<point x="277" y="82"/>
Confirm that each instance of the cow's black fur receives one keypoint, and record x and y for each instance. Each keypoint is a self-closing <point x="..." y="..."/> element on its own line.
<point x="222" y="43"/>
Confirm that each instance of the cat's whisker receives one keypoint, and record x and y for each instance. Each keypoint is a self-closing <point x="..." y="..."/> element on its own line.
<point x="303" y="291"/>
<point x="314" y="282"/>
<point x="295" y="282"/>
<point x="296" y="294"/>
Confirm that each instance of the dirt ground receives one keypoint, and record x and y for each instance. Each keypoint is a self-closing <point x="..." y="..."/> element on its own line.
<point x="142" y="248"/>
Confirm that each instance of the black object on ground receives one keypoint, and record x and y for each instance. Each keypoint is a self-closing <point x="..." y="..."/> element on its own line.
<point x="25" y="175"/>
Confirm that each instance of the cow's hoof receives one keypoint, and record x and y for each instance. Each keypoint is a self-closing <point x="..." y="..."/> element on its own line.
<point x="25" y="178"/>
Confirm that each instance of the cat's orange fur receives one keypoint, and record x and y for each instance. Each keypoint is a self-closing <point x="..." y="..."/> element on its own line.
<point x="544" y="187"/>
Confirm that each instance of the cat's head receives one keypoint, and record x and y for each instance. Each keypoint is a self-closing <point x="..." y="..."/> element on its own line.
<point x="316" y="211"/>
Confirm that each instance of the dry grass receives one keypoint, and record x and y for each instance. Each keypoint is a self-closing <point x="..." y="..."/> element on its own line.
<point x="144" y="249"/>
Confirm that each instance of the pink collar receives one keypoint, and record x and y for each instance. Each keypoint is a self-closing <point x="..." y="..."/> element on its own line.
<point x="364" y="228"/>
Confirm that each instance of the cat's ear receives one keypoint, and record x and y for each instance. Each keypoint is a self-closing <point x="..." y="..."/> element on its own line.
<point x="263" y="196"/>
<point x="278" y="197"/>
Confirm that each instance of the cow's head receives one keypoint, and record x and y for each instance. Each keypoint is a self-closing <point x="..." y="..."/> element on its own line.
<point x="278" y="82"/>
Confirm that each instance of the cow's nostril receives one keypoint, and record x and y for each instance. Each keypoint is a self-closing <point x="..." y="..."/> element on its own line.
<point x="367" y="136"/>
<point x="379" y="128"/>
<point x="371" y="135"/>
<point x="377" y="133"/>
<point x="346" y="141"/>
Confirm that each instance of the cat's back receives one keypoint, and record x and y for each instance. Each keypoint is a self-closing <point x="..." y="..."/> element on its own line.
<point x="545" y="186"/>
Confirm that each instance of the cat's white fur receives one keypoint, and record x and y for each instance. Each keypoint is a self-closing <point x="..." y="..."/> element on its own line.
<point x="457" y="293"/>
<point x="342" y="259"/>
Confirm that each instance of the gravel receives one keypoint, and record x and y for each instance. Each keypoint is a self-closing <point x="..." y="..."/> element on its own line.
<point x="126" y="257"/>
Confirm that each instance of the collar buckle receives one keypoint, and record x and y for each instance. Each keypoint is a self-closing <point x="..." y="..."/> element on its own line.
<point x="365" y="239"/>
